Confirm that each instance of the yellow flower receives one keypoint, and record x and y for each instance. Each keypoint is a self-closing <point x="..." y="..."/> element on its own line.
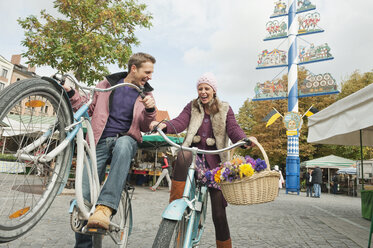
<point x="217" y="176"/>
<point x="246" y="170"/>
<point x="237" y="161"/>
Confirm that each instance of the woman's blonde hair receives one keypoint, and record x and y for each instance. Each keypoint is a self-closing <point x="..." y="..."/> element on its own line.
<point x="212" y="106"/>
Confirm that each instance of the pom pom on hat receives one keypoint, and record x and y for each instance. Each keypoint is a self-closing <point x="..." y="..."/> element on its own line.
<point x="208" y="78"/>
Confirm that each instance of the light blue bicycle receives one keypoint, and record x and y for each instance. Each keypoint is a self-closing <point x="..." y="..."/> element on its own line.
<point x="183" y="221"/>
<point x="38" y="131"/>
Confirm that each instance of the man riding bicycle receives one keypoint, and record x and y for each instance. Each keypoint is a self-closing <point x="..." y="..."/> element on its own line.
<point x="118" y="117"/>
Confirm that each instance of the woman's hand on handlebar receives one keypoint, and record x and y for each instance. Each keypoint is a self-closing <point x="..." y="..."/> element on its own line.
<point x="156" y="124"/>
<point x="249" y="142"/>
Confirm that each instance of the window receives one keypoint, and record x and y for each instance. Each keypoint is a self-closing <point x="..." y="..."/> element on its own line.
<point x="4" y="73"/>
<point x="2" y="86"/>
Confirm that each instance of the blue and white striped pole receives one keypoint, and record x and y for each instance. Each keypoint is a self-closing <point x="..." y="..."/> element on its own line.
<point x="292" y="160"/>
<point x="292" y="57"/>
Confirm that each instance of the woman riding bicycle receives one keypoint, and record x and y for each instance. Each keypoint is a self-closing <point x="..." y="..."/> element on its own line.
<point x="210" y="123"/>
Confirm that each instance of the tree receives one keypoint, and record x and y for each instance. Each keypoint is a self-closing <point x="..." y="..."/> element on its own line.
<point x="92" y="34"/>
<point x="355" y="82"/>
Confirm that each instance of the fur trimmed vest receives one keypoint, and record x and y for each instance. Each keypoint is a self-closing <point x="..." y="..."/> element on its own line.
<point x="218" y="122"/>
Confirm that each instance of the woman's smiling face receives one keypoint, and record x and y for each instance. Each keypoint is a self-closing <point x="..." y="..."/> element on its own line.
<point x="205" y="93"/>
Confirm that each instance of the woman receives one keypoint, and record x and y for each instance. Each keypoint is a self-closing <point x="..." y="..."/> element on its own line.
<point x="165" y="173"/>
<point x="210" y="123"/>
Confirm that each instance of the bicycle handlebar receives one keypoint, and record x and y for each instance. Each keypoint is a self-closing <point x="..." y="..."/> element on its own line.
<point x="60" y="77"/>
<point x="195" y="149"/>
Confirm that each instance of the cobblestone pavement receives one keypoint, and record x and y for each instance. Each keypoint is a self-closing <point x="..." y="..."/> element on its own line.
<point x="290" y="221"/>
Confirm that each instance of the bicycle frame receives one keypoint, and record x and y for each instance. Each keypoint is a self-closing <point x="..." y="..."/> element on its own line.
<point x="75" y="130"/>
<point x="191" y="200"/>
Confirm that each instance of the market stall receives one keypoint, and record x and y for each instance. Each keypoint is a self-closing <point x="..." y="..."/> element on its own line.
<point x="146" y="162"/>
<point x="348" y="177"/>
<point x="330" y="165"/>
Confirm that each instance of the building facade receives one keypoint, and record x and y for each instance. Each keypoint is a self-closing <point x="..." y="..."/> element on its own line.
<point x="6" y="71"/>
<point x="20" y="71"/>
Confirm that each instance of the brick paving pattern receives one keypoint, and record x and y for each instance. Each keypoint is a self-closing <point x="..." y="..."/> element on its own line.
<point x="291" y="221"/>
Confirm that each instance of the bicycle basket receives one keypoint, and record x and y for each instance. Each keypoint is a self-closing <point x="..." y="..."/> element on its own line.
<point x="259" y="188"/>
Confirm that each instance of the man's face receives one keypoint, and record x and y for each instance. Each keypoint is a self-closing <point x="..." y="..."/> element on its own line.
<point x="142" y="74"/>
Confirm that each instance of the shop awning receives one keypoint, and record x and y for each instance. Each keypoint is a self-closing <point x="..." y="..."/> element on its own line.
<point x="157" y="141"/>
<point x="341" y="122"/>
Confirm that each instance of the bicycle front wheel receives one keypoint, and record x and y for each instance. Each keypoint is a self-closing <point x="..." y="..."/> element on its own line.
<point x="122" y="219"/>
<point x="33" y="114"/>
<point x="171" y="233"/>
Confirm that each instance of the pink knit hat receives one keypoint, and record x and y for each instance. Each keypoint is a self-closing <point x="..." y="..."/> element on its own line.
<point x="208" y="78"/>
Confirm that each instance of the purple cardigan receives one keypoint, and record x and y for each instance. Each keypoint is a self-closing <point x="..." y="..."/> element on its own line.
<point x="99" y="112"/>
<point x="180" y="123"/>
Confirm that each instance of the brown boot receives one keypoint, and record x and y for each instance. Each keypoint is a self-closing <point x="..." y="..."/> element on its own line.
<point x="177" y="190"/>
<point x="224" y="244"/>
<point x="100" y="218"/>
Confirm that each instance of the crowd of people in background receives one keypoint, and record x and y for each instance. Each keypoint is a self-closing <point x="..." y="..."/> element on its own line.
<point x="313" y="178"/>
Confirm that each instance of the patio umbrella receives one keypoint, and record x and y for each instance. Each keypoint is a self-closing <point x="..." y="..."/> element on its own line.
<point x="348" y="171"/>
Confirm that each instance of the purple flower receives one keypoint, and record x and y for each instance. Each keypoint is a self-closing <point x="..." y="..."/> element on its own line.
<point x="250" y="160"/>
<point x="226" y="172"/>
<point x="260" y="165"/>
<point x="209" y="176"/>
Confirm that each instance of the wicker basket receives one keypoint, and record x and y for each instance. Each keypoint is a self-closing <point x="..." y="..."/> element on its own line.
<point x="260" y="188"/>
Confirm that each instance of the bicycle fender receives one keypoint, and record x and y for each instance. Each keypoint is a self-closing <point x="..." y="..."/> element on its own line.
<point x="59" y="87"/>
<point x="175" y="210"/>
<point x="73" y="203"/>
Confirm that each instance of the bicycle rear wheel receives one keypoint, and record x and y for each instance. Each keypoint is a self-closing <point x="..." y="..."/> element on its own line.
<point x="27" y="187"/>
<point x="171" y="233"/>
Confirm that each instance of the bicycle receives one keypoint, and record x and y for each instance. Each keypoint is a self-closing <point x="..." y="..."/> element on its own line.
<point x="183" y="220"/>
<point x="37" y="113"/>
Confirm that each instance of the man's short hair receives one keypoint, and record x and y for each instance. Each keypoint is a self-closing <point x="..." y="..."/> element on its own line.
<point x="138" y="58"/>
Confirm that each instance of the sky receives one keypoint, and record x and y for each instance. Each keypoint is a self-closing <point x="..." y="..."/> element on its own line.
<point x="191" y="37"/>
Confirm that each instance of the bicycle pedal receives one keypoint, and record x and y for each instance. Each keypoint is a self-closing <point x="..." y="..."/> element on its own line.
<point x="94" y="230"/>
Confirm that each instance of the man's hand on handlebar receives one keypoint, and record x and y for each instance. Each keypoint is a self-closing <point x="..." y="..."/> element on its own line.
<point x="148" y="102"/>
<point x="62" y="81"/>
<point x="156" y="124"/>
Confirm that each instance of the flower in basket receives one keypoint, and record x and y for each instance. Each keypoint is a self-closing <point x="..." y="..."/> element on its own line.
<point x="237" y="168"/>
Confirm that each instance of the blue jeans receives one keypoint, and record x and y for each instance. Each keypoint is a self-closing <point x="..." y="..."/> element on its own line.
<point x="121" y="151"/>
<point x="309" y="190"/>
<point x="317" y="189"/>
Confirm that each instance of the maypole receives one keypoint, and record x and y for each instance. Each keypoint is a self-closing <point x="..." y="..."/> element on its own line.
<point x="313" y="85"/>
<point x="292" y="159"/>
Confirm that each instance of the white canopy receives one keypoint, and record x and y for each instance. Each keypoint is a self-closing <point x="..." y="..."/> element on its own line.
<point x="331" y="162"/>
<point x="341" y="122"/>
<point x="12" y="127"/>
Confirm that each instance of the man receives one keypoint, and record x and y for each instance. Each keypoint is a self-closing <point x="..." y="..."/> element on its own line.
<point x="317" y="181"/>
<point x="118" y="117"/>
<point x="309" y="184"/>
<point x="334" y="183"/>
